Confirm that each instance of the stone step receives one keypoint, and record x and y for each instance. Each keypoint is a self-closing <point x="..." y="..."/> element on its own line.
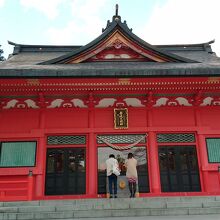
<point x="110" y="205"/>
<point x="94" y="208"/>
<point x="197" y="199"/>
<point x="108" y="213"/>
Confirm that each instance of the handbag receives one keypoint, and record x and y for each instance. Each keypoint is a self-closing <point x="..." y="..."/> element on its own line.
<point x="115" y="170"/>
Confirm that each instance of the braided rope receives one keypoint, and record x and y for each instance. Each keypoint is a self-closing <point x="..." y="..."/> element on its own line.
<point x="116" y="147"/>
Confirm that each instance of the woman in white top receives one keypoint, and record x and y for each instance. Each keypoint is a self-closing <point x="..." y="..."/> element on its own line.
<point x="131" y="174"/>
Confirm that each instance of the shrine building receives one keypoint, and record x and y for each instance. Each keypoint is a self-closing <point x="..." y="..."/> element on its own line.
<point x="64" y="109"/>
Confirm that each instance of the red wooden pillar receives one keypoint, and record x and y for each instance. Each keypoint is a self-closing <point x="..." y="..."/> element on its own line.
<point x="41" y="152"/>
<point x="154" y="173"/>
<point x="41" y="159"/>
<point x="203" y="160"/>
<point x="201" y="148"/>
<point x="92" y="153"/>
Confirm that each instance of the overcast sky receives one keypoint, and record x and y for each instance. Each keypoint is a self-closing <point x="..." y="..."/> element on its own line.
<point x="77" y="22"/>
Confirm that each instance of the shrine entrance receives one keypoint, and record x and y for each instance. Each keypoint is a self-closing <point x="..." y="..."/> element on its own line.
<point x="179" y="169"/>
<point x="120" y="146"/>
<point x="65" y="172"/>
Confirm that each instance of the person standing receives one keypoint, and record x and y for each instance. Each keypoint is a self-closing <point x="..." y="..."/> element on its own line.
<point x="131" y="174"/>
<point x="112" y="178"/>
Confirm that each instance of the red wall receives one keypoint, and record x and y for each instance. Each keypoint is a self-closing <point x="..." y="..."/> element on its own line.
<point x="18" y="121"/>
<point x="24" y="120"/>
<point x="66" y="118"/>
<point x="172" y="117"/>
<point x="23" y="124"/>
<point x="210" y="117"/>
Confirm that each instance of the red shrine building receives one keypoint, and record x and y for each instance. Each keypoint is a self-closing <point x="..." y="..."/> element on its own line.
<point x="64" y="109"/>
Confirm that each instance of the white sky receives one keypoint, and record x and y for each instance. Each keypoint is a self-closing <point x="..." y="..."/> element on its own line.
<point x="77" y="22"/>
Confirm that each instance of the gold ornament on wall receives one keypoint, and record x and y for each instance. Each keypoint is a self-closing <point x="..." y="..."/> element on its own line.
<point x="121" y="118"/>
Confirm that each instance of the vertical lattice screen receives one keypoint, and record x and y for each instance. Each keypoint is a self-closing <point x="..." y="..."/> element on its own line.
<point x="122" y="139"/>
<point x="176" y="138"/>
<point x="67" y="139"/>
<point x="17" y="154"/>
<point x="213" y="148"/>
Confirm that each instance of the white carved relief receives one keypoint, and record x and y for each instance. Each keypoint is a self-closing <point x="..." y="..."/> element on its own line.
<point x="11" y="104"/>
<point x="31" y="104"/>
<point x="67" y="105"/>
<point x="207" y="101"/>
<point x="79" y="103"/>
<point x="134" y="102"/>
<point x="216" y="103"/>
<point x="178" y="101"/>
<point x="183" y="101"/>
<point x="110" y="56"/>
<point x="56" y="103"/>
<point x="106" y="102"/>
<point x="118" y="56"/>
<point x="125" y="56"/>
<point x="172" y="103"/>
<point x="14" y="103"/>
<point x="161" y="101"/>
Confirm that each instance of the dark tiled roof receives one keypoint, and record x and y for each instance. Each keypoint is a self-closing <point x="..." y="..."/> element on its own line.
<point x="23" y="62"/>
<point x="19" y="48"/>
<point x="116" y="24"/>
<point x="32" y="54"/>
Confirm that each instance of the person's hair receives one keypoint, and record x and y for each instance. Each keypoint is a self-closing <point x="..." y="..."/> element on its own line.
<point x="130" y="155"/>
<point x="111" y="156"/>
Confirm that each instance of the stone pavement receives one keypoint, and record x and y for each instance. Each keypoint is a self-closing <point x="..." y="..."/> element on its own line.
<point x="182" y="217"/>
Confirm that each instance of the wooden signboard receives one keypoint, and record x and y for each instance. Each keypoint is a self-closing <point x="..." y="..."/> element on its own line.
<point x="121" y="118"/>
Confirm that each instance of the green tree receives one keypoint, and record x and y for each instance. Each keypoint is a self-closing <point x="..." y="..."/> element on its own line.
<point x="1" y="57"/>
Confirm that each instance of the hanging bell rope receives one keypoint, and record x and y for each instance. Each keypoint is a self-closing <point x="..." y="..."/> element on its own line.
<point x="116" y="147"/>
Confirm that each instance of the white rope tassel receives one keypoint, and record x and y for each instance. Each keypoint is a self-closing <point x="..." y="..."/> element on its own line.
<point x="121" y="147"/>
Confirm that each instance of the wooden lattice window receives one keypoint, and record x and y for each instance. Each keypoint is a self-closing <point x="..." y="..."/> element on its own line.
<point x="17" y="154"/>
<point x="213" y="148"/>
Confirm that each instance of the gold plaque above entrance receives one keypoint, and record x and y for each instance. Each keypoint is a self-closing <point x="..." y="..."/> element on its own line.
<point x="121" y="118"/>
